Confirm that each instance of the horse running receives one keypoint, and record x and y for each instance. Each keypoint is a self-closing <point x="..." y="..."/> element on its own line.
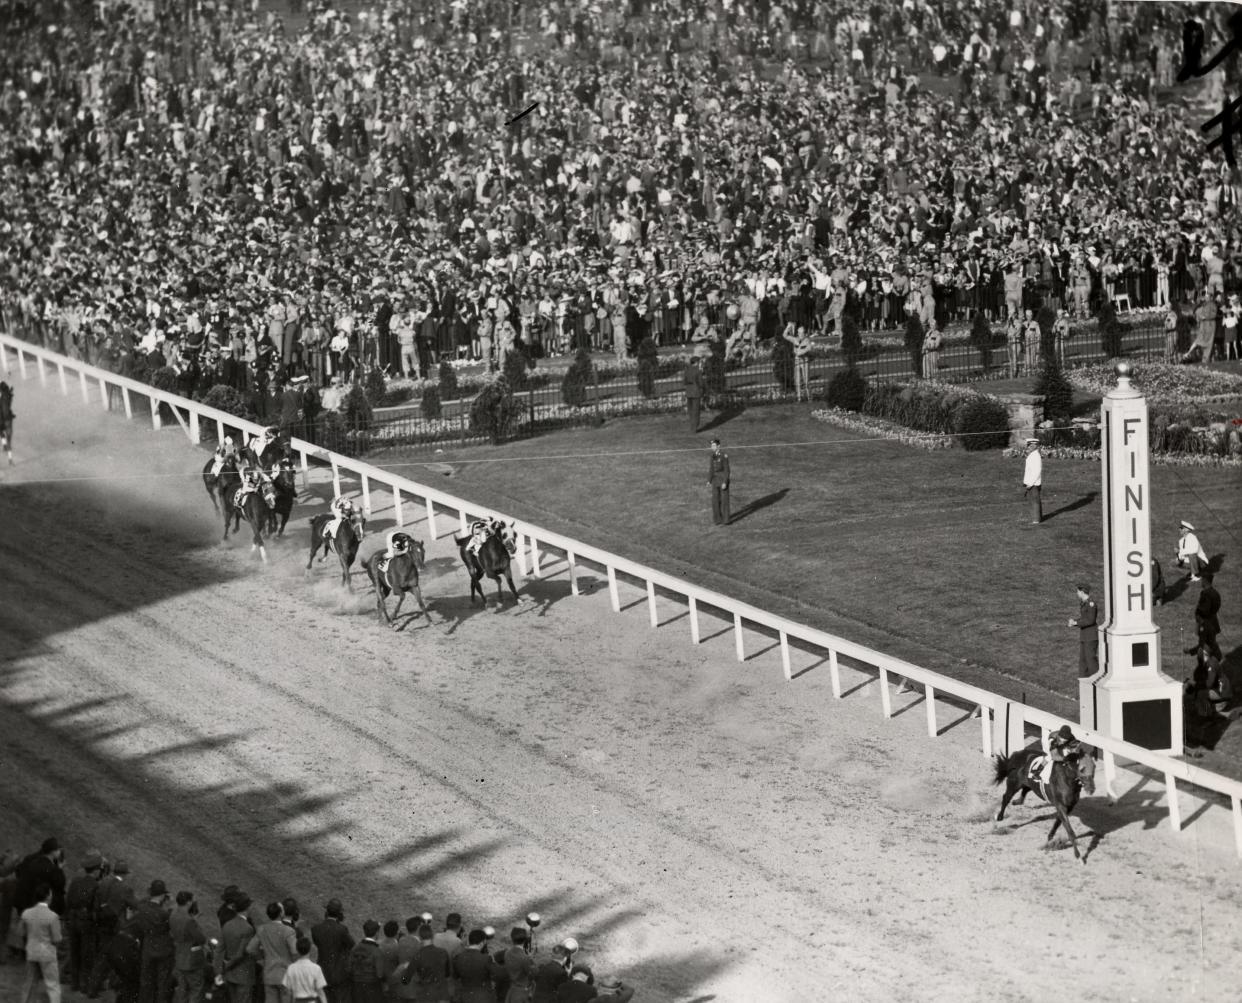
<point x="6" y="419"/>
<point x="284" y="480"/>
<point x="1069" y="779"/>
<point x="257" y="507"/>
<point x="492" y="561"/>
<point x="214" y="483"/>
<point x="345" y="543"/>
<point x="400" y="576"/>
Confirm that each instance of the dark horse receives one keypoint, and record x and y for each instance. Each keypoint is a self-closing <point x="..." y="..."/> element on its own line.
<point x="6" y="419"/>
<point x="492" y="561"/>
<point x="345" y="543"/>
<point x="400" y="576"/>
<point x="284" y="480"/>
<point x="1069" y="779"/>
<point x="214" y="483"/>
<point x="256" y="506"/>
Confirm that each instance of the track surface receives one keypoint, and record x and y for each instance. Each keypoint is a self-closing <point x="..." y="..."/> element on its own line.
<point x="705" y="829"/>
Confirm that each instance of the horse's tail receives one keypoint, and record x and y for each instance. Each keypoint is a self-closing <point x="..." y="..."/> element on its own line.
<point x="461" y="541"/>
<point x="1004" y="766"/>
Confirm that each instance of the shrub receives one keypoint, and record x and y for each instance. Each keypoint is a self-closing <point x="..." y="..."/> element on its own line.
<point x="357" y="410"/>
<point x="430" y="406"/>
<point x="374" y="387"/>
<point x="847" y="390"/>
<point x="576" y="379"/>
<point x="982" y="338"/>
<point x="783" y="364"/>
<point x="395" y="395"/>
<point x="1111" y="331"/>
<point x="330" y="431"/>
<point x="914" y="342"/>
<point x="165" y="378"/>
<point x="1046" y="318"/>
<point x="648" y="366"/>
<point x="312" y="405"/>
<point x="515" y="368"/>
<point x="448" y="381"/>
<point x="851" y="339"/>
<point x="714" y="384"/>
<point x="495" y="412"/>
<point x="982" y="423"/>
<point x="1185" y="333"/>
<point x="224" y="398"/>
<point x="1056" y="390"/>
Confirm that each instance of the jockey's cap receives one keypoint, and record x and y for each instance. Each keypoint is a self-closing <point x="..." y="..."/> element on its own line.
<point x="228" y="440"/>
<point x="1065" y="732"/>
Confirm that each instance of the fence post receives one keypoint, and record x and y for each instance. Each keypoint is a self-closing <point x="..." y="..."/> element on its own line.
<point x="651" y="604"/>
<point x="785" y="656"/>
<point x="220" y="440"/>
<point x="612" y="589"/>
<point x="1175" y="810"/>
<point x="931" y="710"/>
<point x="305" y="466"/>
<point x="886" y="698"/>
<point x="366" y="494"/>
<point x="42" y="371"/>
<point x="396" y="505"/>
<point x="86" y="393"/>
<point x="737" y="637"/>
<point x="156" y="422"/>
<point x="521" y="553"/>
<point x="194" y="431"/>
<point x="1237" y="823"/>
<point x="834" y="671"/>
<point x="535" y="569"/>
<point x="105" y="394"/>
<point x="129" y="407"/>
<point x="694" y="620"/>
<point x="985" y="716"/>
<point x="21" y="362"/>
<point x="431" y="520"/>
<point x="64" y="387"/>
<point x="464" y="528"/>
<point x="336" y="477"/>
<point x="573" y="571"/>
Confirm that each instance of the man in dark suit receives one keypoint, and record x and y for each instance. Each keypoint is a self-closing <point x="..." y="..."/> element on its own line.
<point x="80" y="914"/>
<point x="334" y="943"/>
<point x="475" y="971"/>
<point x="692" y="377"/>
<point x="152" y="919"/>
<point x="718" y="481"/>
<point x="366" y="966"/>
<point x="233" y="963"/>
<point x="44" y="867"/>
<point x="1207" y="618"/>
<point x="427" y="974"/>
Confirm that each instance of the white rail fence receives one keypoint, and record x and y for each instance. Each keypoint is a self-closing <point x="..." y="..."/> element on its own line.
<point x="1003" y="723"/>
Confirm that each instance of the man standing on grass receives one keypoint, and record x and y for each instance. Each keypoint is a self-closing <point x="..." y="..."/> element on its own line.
<point x="692" y="377"/>
<point x="1190" y="551"/>
<point x="1207" y="619"/>
<point x="1088" y="631"/>
<point x="40" y="928"/>
<point x="718" y="481"/>
<point x="1032" y="481"/>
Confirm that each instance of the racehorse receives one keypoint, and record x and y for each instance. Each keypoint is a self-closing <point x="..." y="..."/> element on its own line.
<point x="400" y="576"/>
<point x="214" y="482"/>
<point x="348" y="535"/>
<point x="492" y="560"/>
<point x="1069" y="779"/>
<point x="257" y="507"/>
<point x="6" y="419"/>
<point x="285" y="482"/>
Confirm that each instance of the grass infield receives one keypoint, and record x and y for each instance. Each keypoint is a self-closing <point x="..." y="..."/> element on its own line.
<point x="926" y="556"/>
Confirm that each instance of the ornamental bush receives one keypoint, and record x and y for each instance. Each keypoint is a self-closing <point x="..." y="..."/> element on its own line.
<point x="224" y="398"/>
<point x="374" y="387"/>
<point x="982" y="338"/>
<point x="357" y="410"/>
<point x="576" y="379"/>
<point x="448" y="381"/>
<point x="783" y="364"/>
<point x="648" y="366"/>
<point x="914" y="342"/>
<point x="1046" y="318"/>
<point x="430" y="406"/>
<point x="1056" y="390"/>
<point x="496" y="412"/>
<point x="1111" y="331"/>
<point x="982" y="423"/>
<point x="851" y="339"/>
<point x="165" y="378"/>
<point x="847" y="390"/>
<point x="714" y="375"/>
<point x="515" y="368"/>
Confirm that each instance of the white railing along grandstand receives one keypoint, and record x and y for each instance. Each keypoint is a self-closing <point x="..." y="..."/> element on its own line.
<point x="1002" y="722"/>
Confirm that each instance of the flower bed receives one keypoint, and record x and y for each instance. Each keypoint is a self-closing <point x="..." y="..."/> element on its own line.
<point x="1162" y="382"/>
<point x="882" y="428"/>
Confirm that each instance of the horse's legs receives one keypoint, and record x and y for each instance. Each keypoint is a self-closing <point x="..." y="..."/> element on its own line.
<point x="381" y="594"/>
<point x="345" y="577"/>
<point x="1011" y="788"/>
<point x="509" y="579"/>
<point x="400" y="600"/>
<point x="418" y="594"/>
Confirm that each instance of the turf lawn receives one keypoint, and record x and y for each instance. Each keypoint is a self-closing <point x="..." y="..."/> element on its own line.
<point x="926" y="556"/>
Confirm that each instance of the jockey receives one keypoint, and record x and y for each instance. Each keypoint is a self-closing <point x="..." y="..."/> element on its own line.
<point x="480" y="531"/>
<point x="398" y="543"/>
<point x="341" y="509"/>
<point x="226" y="450"/>
<point x="251" y="479"/>
<point x="1062" y="746"/>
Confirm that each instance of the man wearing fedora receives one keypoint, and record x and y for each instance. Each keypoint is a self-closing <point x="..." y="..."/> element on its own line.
<point x="80" y="916"/>
<point x="1032" y="481"/>
<point x="153" y="918"/>
<point x="1088" y="633"/>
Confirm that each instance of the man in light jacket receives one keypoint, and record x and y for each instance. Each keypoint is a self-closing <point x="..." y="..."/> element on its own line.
<point x="1032" y="481"/>
<point x="275" y="944"/>
<point x="40" y="929"/>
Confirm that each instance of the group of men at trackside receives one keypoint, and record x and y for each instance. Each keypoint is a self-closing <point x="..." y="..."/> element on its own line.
<point x="155" y="948"/>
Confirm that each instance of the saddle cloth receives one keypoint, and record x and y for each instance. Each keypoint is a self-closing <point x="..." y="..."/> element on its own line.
<point x="1036" y="768"/>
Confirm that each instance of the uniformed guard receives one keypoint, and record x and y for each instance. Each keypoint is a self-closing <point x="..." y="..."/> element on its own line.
<point x="1088" y="646"/>
<point x="718" y="481"/>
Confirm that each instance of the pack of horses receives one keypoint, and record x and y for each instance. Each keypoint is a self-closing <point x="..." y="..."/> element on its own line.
<point x="267" y="512"/>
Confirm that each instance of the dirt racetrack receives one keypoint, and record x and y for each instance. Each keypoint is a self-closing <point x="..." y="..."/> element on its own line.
<point x="703" y="828"/>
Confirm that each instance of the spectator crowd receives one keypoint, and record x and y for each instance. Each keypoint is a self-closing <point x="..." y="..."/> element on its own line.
<point x="201" y="180"/>
<point x="117" y="934"/>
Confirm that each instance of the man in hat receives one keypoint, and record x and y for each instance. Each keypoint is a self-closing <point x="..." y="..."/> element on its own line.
<point x="612" y="988"/>
<point x="275" y="945"/>
<point x="151" y="923"/>
<point x="1190" y="551"/>
<point x="233" y="964"/>
<point x="1207" y="619"/>
<point x="80" y="919"/>
<point x="718" y="476"/>
<point x="1032" y="481"/>
<point x="1088" y="641"/>
<point x="692" y="379"/>
<point x="334" y="942"/>
<point x="44" y="867"/>
<point x="114" y="901"/>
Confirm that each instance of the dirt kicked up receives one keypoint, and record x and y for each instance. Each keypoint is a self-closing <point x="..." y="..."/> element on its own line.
<point x="703" y="828"/>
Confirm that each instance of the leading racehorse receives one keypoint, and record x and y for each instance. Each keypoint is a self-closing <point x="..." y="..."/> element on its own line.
<point x="492" y="560"/>
<point x="344" y="543"/>
<point x="1069" y="779"/>
<point x="399" y="576"/>
<point x="6" y="419"/>
<point x="284" y="480"/>
<point x="257" y="507"/>
<point x="214" y="483"/>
